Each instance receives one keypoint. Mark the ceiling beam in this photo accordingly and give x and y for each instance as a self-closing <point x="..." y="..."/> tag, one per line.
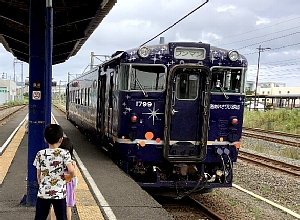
<point x="14" y="14"/>
<point x="75" y="15"/>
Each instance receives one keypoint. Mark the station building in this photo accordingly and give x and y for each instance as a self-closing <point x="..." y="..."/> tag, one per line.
<point x="8" y="90"/>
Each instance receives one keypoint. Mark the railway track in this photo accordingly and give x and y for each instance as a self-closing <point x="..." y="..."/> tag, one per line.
<point x="297" y="136"/>
<point x="2" y="107"/>
<point x="187" y="208"/>
<point x="8" y="111"/>
<point x="270" y="163"/>
<point x="273" y="136"/>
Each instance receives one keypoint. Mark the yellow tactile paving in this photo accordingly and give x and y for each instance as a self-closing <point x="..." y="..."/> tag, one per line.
<point x="86" y="205"/>
<point x="9" y="153"/>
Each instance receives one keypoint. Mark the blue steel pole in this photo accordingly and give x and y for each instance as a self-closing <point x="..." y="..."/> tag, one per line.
<point x="48" y="60"/>
<point x="39" y="103"/>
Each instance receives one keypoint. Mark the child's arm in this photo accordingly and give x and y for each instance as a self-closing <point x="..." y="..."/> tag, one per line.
<point x="38" y="175"/>
<point x="75" y="166"/>
<point x="71" y="170"/>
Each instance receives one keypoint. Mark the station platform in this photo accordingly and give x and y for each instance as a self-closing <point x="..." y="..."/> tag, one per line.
<point x="104" y="191"/>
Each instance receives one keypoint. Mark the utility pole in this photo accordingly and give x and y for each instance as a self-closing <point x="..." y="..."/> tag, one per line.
<point x="15" y="78"/>
<point x="260" y="49"/>
<point x="59" y="92"/>
<point x="92" y="60"/>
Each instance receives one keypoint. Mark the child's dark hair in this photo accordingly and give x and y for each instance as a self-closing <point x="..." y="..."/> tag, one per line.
<point x="68" y="145"/>
<point x="52" y="133"/>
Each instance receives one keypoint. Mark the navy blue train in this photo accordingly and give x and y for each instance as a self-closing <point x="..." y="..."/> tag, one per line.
<point x="170" y="114"/>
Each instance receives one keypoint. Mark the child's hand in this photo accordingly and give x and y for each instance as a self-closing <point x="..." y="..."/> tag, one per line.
<point x="67" y="177"/>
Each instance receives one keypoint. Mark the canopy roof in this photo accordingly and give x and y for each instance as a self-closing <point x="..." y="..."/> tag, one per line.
<point x="74" y="22"/>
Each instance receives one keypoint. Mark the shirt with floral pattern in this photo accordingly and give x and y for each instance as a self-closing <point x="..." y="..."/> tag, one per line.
<point x="52" y="163"/>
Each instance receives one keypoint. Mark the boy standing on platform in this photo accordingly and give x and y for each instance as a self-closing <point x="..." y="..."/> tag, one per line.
<point x="50" y="164"/>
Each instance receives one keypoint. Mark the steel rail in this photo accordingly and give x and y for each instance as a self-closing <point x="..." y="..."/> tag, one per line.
<point x="270" y="163"/>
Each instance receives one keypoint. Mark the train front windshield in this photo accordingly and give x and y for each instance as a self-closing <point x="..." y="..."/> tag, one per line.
<point x="142" y="78"/>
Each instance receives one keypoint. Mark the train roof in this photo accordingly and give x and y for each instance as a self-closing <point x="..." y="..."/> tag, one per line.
<point x="158" y="46"/>
<point x="158" y="50"/>
<point x="216" y="56"/>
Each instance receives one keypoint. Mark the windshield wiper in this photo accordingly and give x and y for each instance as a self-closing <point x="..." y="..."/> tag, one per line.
<point x="219" y="85"/>
<point x="141" y="87"/>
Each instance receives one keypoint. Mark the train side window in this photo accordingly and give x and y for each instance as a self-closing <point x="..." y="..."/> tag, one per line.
<point x="124" y="77"/>
<point x="78" y="97"/>
<point x="85" y="97"/>
<point x="82" y="97"/>
<point x="88" y="96"/>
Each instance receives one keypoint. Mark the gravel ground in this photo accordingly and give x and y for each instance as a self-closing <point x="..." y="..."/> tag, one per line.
<point x="274" y="186"/>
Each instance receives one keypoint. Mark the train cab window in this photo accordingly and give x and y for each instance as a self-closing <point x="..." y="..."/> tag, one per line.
<point x="229" y="80"/>
<point x="186" y="86"/>
<point x="148" y="78"/>
<point x="143" y="78"/>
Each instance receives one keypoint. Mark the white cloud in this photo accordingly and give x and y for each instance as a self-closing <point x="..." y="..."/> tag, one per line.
<point x="131" y="23"/>
<point x="225" y="8"/>
<point x="262" y="21"/>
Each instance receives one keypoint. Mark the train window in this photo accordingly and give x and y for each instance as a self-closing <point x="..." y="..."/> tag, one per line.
<point x="124" y="77"/>
<point x="77" y="96"/>
<point x="82" y="97"/>
<point x="147" y="78"/>
<point x="187" y="86"/>
<point x="88" y="96"/>
<point x="142" y="77"/>
<point x="230" y="80"/>
<point x="85" y="96"/>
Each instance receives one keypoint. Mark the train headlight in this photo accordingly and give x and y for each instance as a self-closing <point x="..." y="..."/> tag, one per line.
<point x="233" y="55"/>
<point x="143" y="52"/>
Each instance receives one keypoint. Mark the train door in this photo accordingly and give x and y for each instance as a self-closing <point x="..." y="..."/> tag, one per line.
<point x="67" y="99"/>
<point x="101" y="105"/>
<point x="110" y="103"/>
<point x="189" y="89"/>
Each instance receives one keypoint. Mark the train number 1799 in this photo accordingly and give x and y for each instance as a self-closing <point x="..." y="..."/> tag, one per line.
<point x="143" y="104"/>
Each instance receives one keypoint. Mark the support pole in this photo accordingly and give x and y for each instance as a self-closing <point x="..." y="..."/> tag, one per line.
<point x="40" y="79"/>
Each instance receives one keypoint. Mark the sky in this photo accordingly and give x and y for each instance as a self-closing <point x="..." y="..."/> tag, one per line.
<point x="229" y="24"/>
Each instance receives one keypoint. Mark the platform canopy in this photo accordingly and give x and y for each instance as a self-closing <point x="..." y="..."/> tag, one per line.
<point x="74" y="22"/>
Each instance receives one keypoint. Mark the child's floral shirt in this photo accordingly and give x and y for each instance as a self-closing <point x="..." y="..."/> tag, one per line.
<point x="52" y="163"/>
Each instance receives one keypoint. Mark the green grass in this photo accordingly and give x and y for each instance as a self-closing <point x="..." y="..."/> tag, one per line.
<point x="285" y="120"/>
<point x="16" y="102"/>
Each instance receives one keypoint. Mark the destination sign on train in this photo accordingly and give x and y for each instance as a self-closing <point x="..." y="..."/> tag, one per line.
<point x="189" y="53"/>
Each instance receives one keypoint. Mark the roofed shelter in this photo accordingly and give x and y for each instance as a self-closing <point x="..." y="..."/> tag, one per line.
<point x="73" y="23"/>
<point x="43" y="33"/>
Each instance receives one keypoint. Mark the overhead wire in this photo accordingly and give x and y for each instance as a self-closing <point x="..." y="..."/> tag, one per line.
<point x="257" y="29"/>
<point x="298" y="32"/>
<point x="176" y="22"/>
<point x="260" y="36"/>
<point x="277" y="48"/>
<point x="273" y="69"/>
<point x="276" y="38"/>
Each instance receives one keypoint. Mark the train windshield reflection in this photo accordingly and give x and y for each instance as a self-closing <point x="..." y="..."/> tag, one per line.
<point x="143" y="78"/>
